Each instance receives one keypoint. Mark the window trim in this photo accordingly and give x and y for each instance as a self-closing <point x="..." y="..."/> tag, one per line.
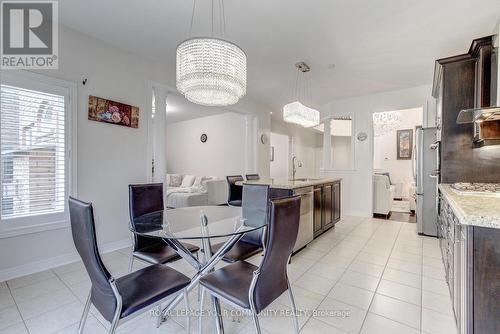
<point x="354" y="166"/>
<point x="12" y="227"/>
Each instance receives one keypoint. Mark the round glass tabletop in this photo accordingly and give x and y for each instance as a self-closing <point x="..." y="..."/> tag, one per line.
<point x="186" y="223"/>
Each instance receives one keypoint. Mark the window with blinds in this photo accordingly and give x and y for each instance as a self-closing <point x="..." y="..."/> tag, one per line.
<point x="33" y="166"/>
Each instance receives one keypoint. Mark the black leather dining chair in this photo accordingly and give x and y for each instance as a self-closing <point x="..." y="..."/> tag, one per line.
<point x="119" y="298"/>
<point x="252" y="177"/>
<point x="255" y="209"/>
<point x="234" y="190"/>
<point x="143" y="199"/>
<point x="253" y="288"/>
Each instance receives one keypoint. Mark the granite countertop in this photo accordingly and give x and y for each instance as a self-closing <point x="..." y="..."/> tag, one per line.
<point x="473" y="209"/>
<point x="288" y="184"/>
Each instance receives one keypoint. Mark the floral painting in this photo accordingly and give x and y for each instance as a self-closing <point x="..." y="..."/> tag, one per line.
<point x="103" y="110"/>
<point x="405" y="144"/>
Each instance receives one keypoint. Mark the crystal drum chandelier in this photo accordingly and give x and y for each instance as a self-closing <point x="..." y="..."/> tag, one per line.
<point x="211" y="71"/>
<point x="296" y="112"/>
<point x="384" y="122"/>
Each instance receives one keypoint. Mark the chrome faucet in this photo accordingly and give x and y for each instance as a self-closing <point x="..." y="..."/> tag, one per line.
<point x="294" y="168"/>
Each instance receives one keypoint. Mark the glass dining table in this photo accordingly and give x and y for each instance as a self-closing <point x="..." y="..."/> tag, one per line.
<point x="202" y="224"/>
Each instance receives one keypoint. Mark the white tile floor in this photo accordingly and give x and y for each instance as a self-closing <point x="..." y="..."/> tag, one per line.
<point x="379" y="275"/>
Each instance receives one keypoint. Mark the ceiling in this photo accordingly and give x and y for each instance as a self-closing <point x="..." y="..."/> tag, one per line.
<point x="179" y="109"/>
<point x="374" y="45"/>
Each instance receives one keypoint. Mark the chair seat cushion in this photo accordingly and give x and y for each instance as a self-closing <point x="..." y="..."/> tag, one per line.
<point x="162" y="253"/>
<point x="241" y="251"/>
<point x="231" y="282"/>
<point x="147" y="286"/>
<point x="236" y="202"/>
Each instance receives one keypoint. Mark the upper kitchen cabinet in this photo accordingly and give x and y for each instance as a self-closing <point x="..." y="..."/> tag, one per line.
<point x="465" y="82"/>
<point x="485" y="81"/>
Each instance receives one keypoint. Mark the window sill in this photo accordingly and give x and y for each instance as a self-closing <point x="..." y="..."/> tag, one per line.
<point x="24" y="230"/>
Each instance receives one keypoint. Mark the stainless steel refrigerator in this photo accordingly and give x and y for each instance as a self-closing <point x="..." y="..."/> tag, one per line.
<point x="426" y="173"/>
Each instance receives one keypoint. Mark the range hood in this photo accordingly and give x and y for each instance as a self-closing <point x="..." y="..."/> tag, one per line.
<point x="478" y="115"/>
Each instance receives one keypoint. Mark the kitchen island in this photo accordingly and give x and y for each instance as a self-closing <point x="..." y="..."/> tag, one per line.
<point x="320" y="203"/>
<point x="469" y="236"/>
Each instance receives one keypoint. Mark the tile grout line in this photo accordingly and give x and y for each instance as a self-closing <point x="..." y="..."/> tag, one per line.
<point x="403" y="324"/>
<point x="79" y="301"/>
<point x="17" y="307"/>
<point x="326" y="295"/>
<point x="378" y="284"/>
<point x="354" y="258"/>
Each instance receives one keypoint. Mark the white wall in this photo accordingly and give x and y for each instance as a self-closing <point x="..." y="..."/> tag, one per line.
<point x="385" y="150"/>
<point x="357" y="184"/>
<point x="223" y="153"/>
<point x="109" y="157"/>
<point x="305" y="144"/>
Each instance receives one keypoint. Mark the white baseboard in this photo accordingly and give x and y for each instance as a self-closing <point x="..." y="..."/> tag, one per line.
<point x="56" y="261"/>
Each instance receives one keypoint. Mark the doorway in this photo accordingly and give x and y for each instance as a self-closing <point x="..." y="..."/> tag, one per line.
<point x="393" y="159"/>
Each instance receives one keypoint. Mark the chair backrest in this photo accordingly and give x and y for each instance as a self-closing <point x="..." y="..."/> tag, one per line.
<point x="235" y="191"/>
<point x="255" y="210"/>
<point x="84" y="237"/>
<point x="281" y="236"/>
<point x="143" y="199"/>
<point x="253" y="177"/>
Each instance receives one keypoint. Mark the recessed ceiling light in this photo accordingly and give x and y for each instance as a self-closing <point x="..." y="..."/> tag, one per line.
<point x="271" y="112"/>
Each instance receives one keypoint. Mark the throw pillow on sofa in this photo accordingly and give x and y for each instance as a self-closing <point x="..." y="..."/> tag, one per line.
<point x="187" y="181"/>
<point x="197" y="181"/>
<point x="174" y="180"/>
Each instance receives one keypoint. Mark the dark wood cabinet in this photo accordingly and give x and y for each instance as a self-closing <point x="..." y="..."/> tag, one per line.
<point x="336" y="202"/>
<point x="471" y="257"/>
<point x="317" y="221"/>
<point x="464" y="82"/>
<point x="486" y="278"/>
<point x="326" y="207"/>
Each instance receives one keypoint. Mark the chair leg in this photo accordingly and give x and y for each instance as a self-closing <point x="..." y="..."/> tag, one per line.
<point x="188" y="311"/>
<point x="84" y="315"/>
<point x="131" y="263"/>
<point x="202" y="301"/>
<point x="159" y="317"/>
<point x="114" y="324"/>
<point x="294" y="309"/>
<point x="256" y="322"/>
<point x="219" y="325"/>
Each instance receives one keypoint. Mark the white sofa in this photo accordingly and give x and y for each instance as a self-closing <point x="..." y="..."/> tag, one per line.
<point x="190" y="190"/>
<point x="396" y="186"/>
<point x="383" y="194"/>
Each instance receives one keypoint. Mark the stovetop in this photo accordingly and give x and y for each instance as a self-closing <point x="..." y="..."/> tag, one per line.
<point x="477" y="188"/>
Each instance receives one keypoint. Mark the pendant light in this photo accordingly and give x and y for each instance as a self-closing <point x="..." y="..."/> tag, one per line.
<point x="297" y="112"/>
<point x="211" y="71"/>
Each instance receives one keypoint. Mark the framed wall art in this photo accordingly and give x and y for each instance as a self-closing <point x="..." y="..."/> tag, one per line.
<point x="108" y="111"/>
<point x="404" y="144"/>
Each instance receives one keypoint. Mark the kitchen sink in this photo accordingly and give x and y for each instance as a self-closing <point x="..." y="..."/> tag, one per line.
<point x="304" y="179"/>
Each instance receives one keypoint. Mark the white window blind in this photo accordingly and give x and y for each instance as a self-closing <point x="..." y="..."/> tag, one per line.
<point x="33" y="147"/>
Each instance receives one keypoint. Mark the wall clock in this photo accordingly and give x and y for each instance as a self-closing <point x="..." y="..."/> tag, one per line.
<point x="362" y="136"/>
<point x="203" y="138"/>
